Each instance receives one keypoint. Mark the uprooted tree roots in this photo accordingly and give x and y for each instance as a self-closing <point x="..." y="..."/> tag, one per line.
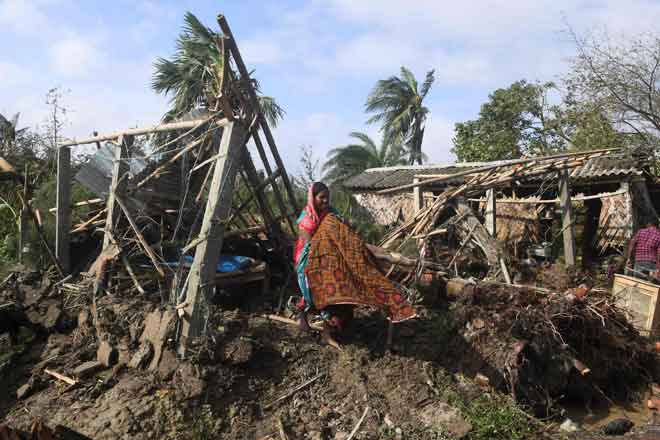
<point x="543" y="347"/>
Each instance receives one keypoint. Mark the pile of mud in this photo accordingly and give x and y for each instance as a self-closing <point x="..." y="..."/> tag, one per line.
<point x="542" y="347"/>
<point x="454" y="372"/>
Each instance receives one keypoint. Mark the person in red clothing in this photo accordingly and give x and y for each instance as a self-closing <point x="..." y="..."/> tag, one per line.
<point x="644" y="249"/>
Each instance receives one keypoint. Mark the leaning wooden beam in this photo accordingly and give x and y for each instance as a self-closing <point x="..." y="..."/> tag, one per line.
<point x="253" y="98"/>
<point x="171" y="126"/>
<point x="218" y="208"/>
<point x="567" y="218"/>
<point x="63" y="208"/>
<point x="264" y="158"/>
<point x="147" y="249"/>
<point x="496" y="166"/>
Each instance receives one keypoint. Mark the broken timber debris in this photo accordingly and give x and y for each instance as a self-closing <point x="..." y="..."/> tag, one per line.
<point x="178" y="199"/>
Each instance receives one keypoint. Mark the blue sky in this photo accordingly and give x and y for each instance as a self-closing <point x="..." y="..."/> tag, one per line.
<point x="318" y="58"/>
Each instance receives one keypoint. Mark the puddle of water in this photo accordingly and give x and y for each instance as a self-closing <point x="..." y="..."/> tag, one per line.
<point x="637" y="412"/>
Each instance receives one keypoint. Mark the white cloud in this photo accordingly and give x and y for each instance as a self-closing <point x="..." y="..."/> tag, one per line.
<point x="322" y="130"/>
<point x="261" y="51"/>
<point x="437" y="139"/>
<point x="73" y="56"/>
<point x="23" y="16"/>
<point x="12" y="74"/>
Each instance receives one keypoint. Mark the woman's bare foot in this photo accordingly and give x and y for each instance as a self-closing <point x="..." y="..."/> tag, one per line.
<point x="328" y="339"/>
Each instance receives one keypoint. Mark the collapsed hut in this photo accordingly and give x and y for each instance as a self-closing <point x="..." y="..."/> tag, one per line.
<point x="526" y="203"/>
<point x="165" y="215"/>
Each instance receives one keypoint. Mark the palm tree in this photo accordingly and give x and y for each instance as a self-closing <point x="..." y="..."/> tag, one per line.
<point x="397" y="103"/>
<point x="9" y="133"/>
<point x="352" y="159"/>
<point x="193" y="75"/>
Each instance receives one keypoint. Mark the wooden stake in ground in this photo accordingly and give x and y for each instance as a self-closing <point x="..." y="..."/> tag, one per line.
<point x="218" y="209"/>
<point x="63" y="209"/>
<point x="22" y="225"/>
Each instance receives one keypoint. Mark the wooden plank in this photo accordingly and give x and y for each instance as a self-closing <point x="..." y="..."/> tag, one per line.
<point x="63" y="210"/>
<point x="567" y="217"/>
<point x="491" y="213"/>
<point x="245" y="76"/>
<point x="218" y="208"/>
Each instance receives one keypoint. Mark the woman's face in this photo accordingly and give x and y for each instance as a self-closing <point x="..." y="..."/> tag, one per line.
<point x="322" y="201"/>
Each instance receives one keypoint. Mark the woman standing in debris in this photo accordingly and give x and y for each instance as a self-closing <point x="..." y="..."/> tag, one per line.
<point x="336" y="271"/>
<point x="317" y="207"/>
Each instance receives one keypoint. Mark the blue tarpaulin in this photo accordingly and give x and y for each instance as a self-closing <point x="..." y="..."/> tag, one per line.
<point x="227" y="263"/>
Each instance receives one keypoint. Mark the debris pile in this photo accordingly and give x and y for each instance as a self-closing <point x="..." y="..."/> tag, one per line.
<point x="542" y="346"/>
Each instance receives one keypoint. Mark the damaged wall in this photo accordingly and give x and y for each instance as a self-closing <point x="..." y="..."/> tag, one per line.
<point x="387" y="209"/>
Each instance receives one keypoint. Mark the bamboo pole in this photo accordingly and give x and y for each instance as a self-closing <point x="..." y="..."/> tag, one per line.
<point x="170" y="126"/>
<point x="147" y="249"/>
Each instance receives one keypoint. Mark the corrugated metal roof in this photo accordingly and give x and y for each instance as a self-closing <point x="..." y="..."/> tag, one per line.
<point x="382" y="178"/>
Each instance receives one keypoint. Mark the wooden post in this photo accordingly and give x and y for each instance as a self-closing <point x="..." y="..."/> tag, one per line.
<point x="491" y="213"/>
<point x="218" y="209"/>
<point x="631" y="218"/>
<point x="567" y="218"/>
<point x="63" y="207"/>
<point x="23" y="217"/>
<point x="117" y="186"/>
<point x="418" y="196"/>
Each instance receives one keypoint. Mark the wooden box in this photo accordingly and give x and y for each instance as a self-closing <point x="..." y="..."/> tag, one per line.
<point x="639" y="300"/>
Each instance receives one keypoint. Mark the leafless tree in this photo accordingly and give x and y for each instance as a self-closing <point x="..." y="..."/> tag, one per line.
<point x="620" y="76"/>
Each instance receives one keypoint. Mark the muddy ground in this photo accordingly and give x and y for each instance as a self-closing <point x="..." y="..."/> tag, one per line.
<point x="254" y="378"/>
